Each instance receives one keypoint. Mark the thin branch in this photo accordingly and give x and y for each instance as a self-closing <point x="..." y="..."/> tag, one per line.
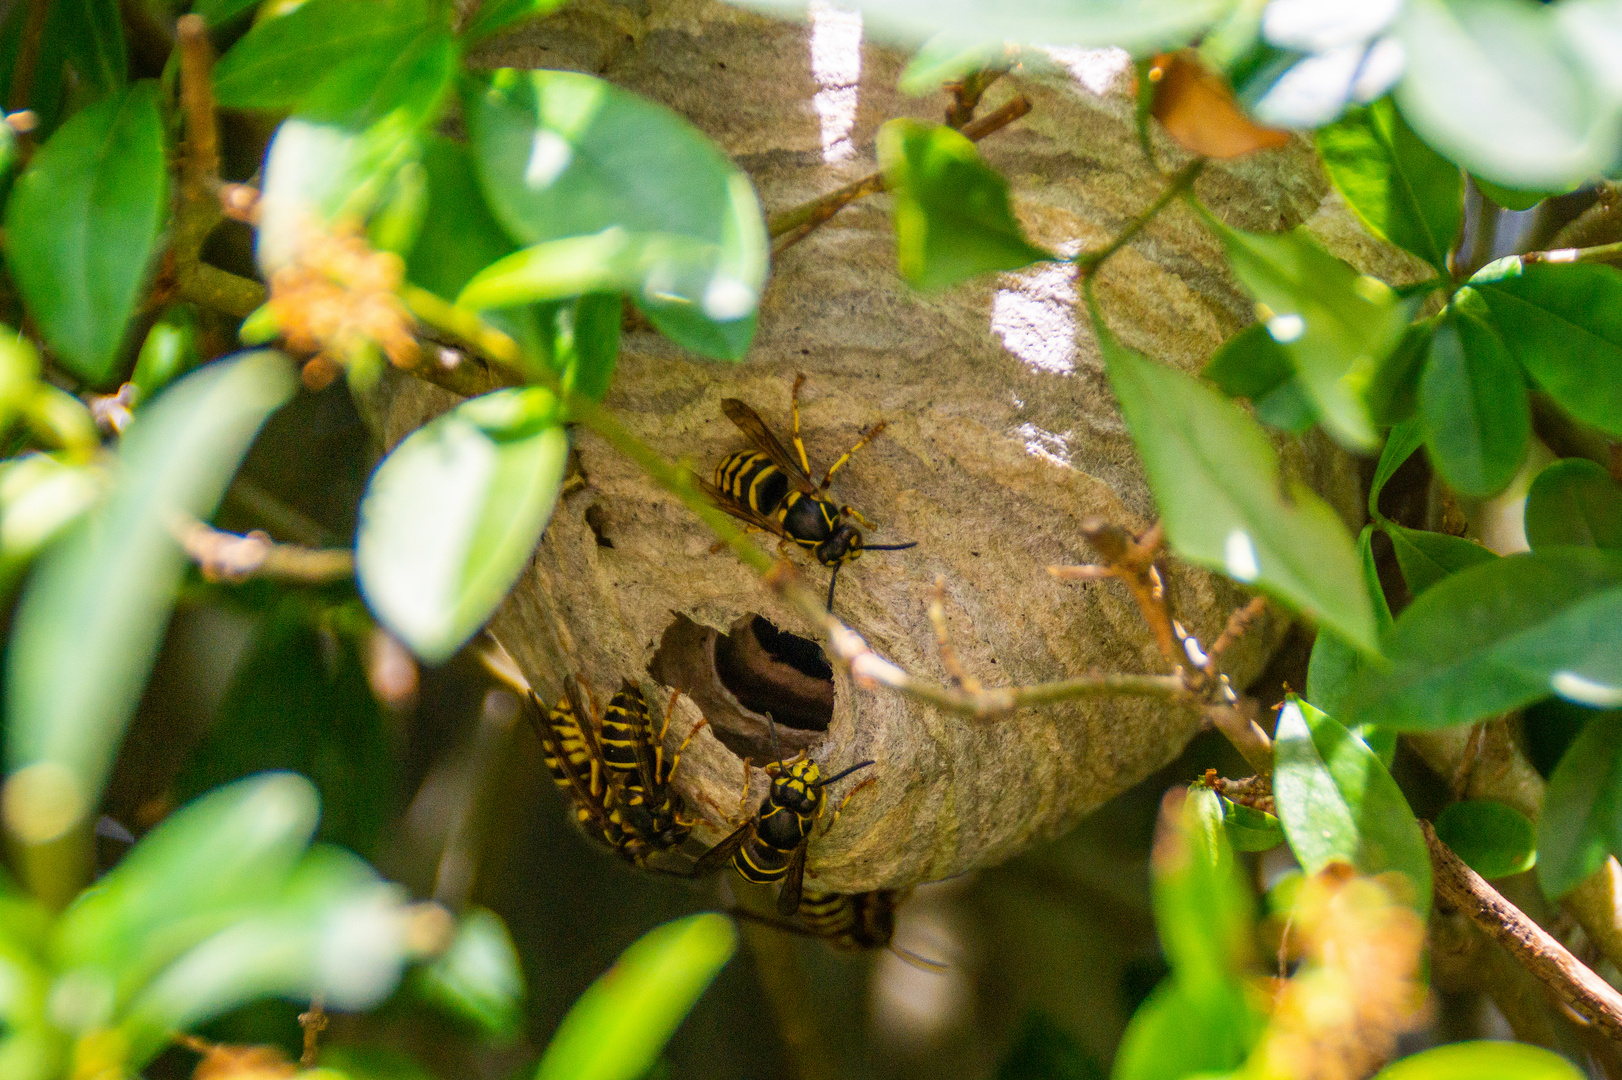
<point x="1246" y="735"/>
<point x="280" y="518"/>
<point x="314" y="1022"/>
<point x="1238" y="623"/>
<point x="1089" y="261"/>
<point x="226" y="556"/>
<point x="1132" y="560"/>
<point x="959" y="678"/>
<point x="1591" y="997"/>
<point x="200" y="165"/>
<point x="966" y="94"/>
<point x="1598" y="253"/>
<point x="791" y="226"/>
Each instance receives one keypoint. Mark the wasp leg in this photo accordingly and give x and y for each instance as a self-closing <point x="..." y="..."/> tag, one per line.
<point x="841" y="807"/>
<point x="872" y="433"/>
<point x="743" y="803"/>
<point x="676" y="758"/>
<point x="794" y="401"/>
<point x="851" y="512"/>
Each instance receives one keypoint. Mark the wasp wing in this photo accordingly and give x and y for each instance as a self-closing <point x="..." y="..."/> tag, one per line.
<point x="721" y="854"/>
<point x="750" y="423"/>
<point x="741" y="511"/>
<point x="581" y="786"/>
<point x="788" y="898"/>
<point x="647" y="768"/>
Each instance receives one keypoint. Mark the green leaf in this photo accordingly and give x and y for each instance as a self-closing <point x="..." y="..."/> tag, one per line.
<point x="1494" y="87"/>
<point x="1400" y="443"/>
<point x="478" y="978"/>
<point x="1250" y="829"/>
<point x="1563" y="322"/>
<point x="951" y="211"/>
<point x="39" y="498"/>
<point x="82" y="225"/>
<point x="1472" y="405"/>
<point x="1392" y="392"/>
<point x="453" y="514"/>
<point x="619" y="1025"/>
<point x="1202" y="907"/>
<point x="1428" y="557"/>
<point x="618" y="192"/>
<point x="404" y="81"/>
<point x="1581" y="821"/>
<point x="94" y="34"/>
<point x="1510" y="198"/>
<point x="169" y="351"/>
<point x="1335" y="324"/>
<point x="494" y="16"/>
<point x="1400" y="188"/>
<point x="1501" y="635"/>
<point x="1494" y="840"/>
<point x="219" y="12"/>
<point x="1216" y="480"/>
<point x="92" y="616"/>
<point x="1339" y="804"/>
<point x="1178" y="1033"/>
<point x="283" y="58"/>
<point x="1334" y="667"/>
<point x="1250" y="364"/>
<point x="300" y="701"/>
<point x="366" y="1063"/>
<point x="1476" y="1060"/>
<point x="944" y="59"/>
<point x="1574" y="502"/>
<point x="233" y="848"/>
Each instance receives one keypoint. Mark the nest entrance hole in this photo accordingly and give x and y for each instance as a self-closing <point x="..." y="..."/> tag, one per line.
<point x="743" y="676"/>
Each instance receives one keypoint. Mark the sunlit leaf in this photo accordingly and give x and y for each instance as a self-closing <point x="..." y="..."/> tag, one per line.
<point x="1399" y="187"/>
<point x="1400" y="444"/>
<point x="82" y="225"/>
<point x="169" y="351"/>
<point x="1428" y="557"/>
<point x="453" y="514"/>
<point x="1475" y="1060"/>
<point x="494" y="16"/>
<point x="478" y="978"/>
<point x="403" y="81"/>
<point x="1250" y="364"/>
<point x="1250" y="829"/>
<point x="1501" y="635"/>
<point x="1335" y="667"/>
<point x="1178" y="1033"/>
<point x="1215" y="478"/>
<point x="1574" y="502"/>
<point x="91" y="618"/>
<point x="944" y="59"/>
<point x="1338" y="803"/>
<point x="1493" y="839"/>
<point x="1580" y="824"/>
<point x="1472" y="405"/>
<point x="39" y="498"/>
<point x="619" y="1025"/>
<point x="1203" y="910"/>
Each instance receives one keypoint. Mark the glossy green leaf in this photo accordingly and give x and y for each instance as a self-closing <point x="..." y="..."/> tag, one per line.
<point x="405" y="82"/>
<point x="300" y="701"/>
<point x="169" y="351"/>
<point x="92" y="616"/>
<point x="1400" y="444"/>
<point x="1335" y="324"/>
<point x="1501" y="635"/>
<point x="1203" y="910"/>
<point x="453" y="514"/>
<point x="616" y="192"/>
<point x="1250" y="829"/>
<point x="1493" y="839"/>
<point x="1216" y="480"/>
<point x="1392" y="392"/>
<point x="234" y="848"/>
<point x="1480" y="1060"/>
<point x="1428" y="557"/>
<point x="82" y="225"/>
<point x="494" y="16"/>
<point x="1574" y="502"/>
<point x="1581" y="821"/>
<point x="951" y="212"/>
<point x="283" y="58"/>
<point x="94" y="33"/>
<point x="1472" y="405"/>
<point x="1399" y="187"/>
<point x="1250" y="364"/>
<point x="619" y="1025"/>
<point x="1563" y="322"/>
<point x="1338" y="803"/>
<point x="40" y="497"/>
<point x="1335" y="667"/>
<point x="478" y="978"/>
<point x="1178" y="1033"/>
<point x="1493" y="85"/>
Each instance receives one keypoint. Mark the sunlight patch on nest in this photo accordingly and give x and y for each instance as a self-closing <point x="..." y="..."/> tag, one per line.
<point x="836" y="65"/>
<point x="1045" y="444"/>
<point x="1099" y="71"/>
<point x="1035" y="317"/>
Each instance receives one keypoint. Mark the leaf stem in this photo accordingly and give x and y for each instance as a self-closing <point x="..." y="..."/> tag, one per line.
<point x="1087" y="262"/>
<point x="1598" y="253"/>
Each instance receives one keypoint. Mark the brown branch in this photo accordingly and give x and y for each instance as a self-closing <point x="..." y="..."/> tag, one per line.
<point x="33" y="36"/>
<point x="1238" y="623"/>
<point x="791" y="226"/>
<point x="1591" y="997"/>
<point x="314" y="1022"/>
<point x="200" y="164"/>
<point x="967" y="93"/>
<point x="959" y="678"/>
<point x="226" y="556"/>
<point x="1132" y="560"/>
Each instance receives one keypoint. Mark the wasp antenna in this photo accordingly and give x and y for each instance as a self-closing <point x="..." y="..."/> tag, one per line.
<point x="842" y="775"/>
<point x="889" y="547"/>
<point x="832" y="581"/>
<point x="771" y="726"/>
<point x="912" y="959"/>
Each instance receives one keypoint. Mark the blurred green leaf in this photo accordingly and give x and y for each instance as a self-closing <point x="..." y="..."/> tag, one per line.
<point x="30" y="1047"/>
<point x="1428" y="557"/>
<point x="1581" y="820"/>
<point x="1392" y="392"/>
<point x="1501" y="635"/>
<point x="1338" y="803"/>
<point x="1334" y="324"/>
<point x="95" y="43"/>
<point x="1494" y="87"/>
<point x="619" y="1025"/>
<point x="1477" y="1060"/>
<point x="566" y="159"/>
<point x="1250" y="829"/>
<point x="951" y="211"/>
<point x="284" y="57"/>
<point x="219" y="12"/>
<point x="50" y="79"/>
<point x="1178" y="1033"/>
<point x="1563" y="322"/>
<point x="1250" y="364"/>
<point x="368" y="1063"/>
<point x="1203" y="910"/>
<point x="1400" y="444"/>
<point x="1216" y="480"/>
<point x="943" y="59"/>
<point x="1493" y="839"/>
<point x="404" y="81"/>
<point x="1042" y="1050"/>
<point x="1472" y="405"/>
<point x="300" y="701"/>
<point x="494" y="16"/>
<point x="1574" y="502"/>
<point x="39" y="498"/>
<point x="1510" y="198"/>
<point x="453" y="514"/>
<point x="91" y="618"/>
<point x="82" y="225"/>
<point x="320" y="174"/>
<point x="169" y="351"/>
<point x="479" y="978"/>
<point x="1400" y="188"/>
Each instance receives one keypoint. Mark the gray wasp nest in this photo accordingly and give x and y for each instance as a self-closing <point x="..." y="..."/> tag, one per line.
<point x="1002" y="439"/>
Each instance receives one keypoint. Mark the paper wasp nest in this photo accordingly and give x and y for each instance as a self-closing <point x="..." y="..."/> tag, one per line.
<point x="1003" y="437"/>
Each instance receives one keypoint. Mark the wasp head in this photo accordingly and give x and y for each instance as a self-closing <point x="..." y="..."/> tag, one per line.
<point x="799" y="788"/>
<point x="844" y="545"/>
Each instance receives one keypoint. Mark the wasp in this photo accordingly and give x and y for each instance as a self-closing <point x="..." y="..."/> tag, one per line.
<point x="771" y="846"/>
<point x="855" y="922"/>
<point x="768" y="489"/>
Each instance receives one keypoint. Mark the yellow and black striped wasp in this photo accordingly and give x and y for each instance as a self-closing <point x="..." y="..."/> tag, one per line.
<point x="855" y="922"/>
<point x="768" y="489"/>
<point x="771" y="846"/>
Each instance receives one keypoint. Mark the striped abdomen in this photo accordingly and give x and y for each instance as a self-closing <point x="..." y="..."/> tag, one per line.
<point x="851" y="921"/>
<point x="570" y="753"/>
<point x="749" y="477"/>
<point x="629" y="741"/>
<point x="779" y="832"/>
